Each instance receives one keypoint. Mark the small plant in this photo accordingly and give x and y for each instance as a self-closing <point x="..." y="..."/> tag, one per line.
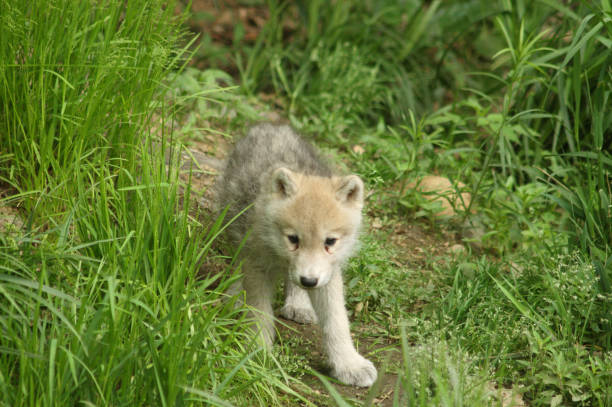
<point x="430" y="375"/>
<point x="317" y="105"/>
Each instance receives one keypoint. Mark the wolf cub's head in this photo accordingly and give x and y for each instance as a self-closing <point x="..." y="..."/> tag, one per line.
<point x="311" y="221"/>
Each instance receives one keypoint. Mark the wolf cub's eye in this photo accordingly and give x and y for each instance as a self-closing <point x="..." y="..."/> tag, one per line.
<point x="293" y="239"/>
<point x="330" y="241"/>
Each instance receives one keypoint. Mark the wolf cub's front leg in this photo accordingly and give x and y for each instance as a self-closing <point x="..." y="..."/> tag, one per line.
<point x="259" y="291"/>
<point x="297" y="304"/>
<point x="346" y="363"/>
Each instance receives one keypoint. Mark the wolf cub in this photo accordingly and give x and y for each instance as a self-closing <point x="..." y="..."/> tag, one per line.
<point x="304" y="226"/>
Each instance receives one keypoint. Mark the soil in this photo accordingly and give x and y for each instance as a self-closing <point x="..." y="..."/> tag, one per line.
<point x="309" y="346"/>
<point x="9" y="219"/>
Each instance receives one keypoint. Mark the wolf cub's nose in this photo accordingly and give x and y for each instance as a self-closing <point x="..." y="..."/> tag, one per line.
<point x="308" y="282"/>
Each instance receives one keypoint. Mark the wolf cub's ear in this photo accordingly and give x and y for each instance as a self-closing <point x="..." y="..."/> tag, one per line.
<point x="282" y="181"/>
<point x="350" y="190"/>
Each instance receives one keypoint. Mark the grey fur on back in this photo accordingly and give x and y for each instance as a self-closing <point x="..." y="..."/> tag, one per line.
<point x="265" y="147"/>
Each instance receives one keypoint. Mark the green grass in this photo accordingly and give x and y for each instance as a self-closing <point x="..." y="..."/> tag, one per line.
<point x="90" y="321"/>
<point x="526" y="322"/>
<point x="102" y="296"/>
<point x="105" y="295"/>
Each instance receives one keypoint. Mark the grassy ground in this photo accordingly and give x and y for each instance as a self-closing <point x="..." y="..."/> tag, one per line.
<point x="106" y="244"/>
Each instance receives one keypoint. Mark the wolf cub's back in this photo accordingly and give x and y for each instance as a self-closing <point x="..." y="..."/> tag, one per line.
<point x="265" y="148"/>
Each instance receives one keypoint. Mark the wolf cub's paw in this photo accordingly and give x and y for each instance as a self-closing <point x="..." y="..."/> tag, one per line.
<point x="299" y="315"/>
<point x="357" y="372"/>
